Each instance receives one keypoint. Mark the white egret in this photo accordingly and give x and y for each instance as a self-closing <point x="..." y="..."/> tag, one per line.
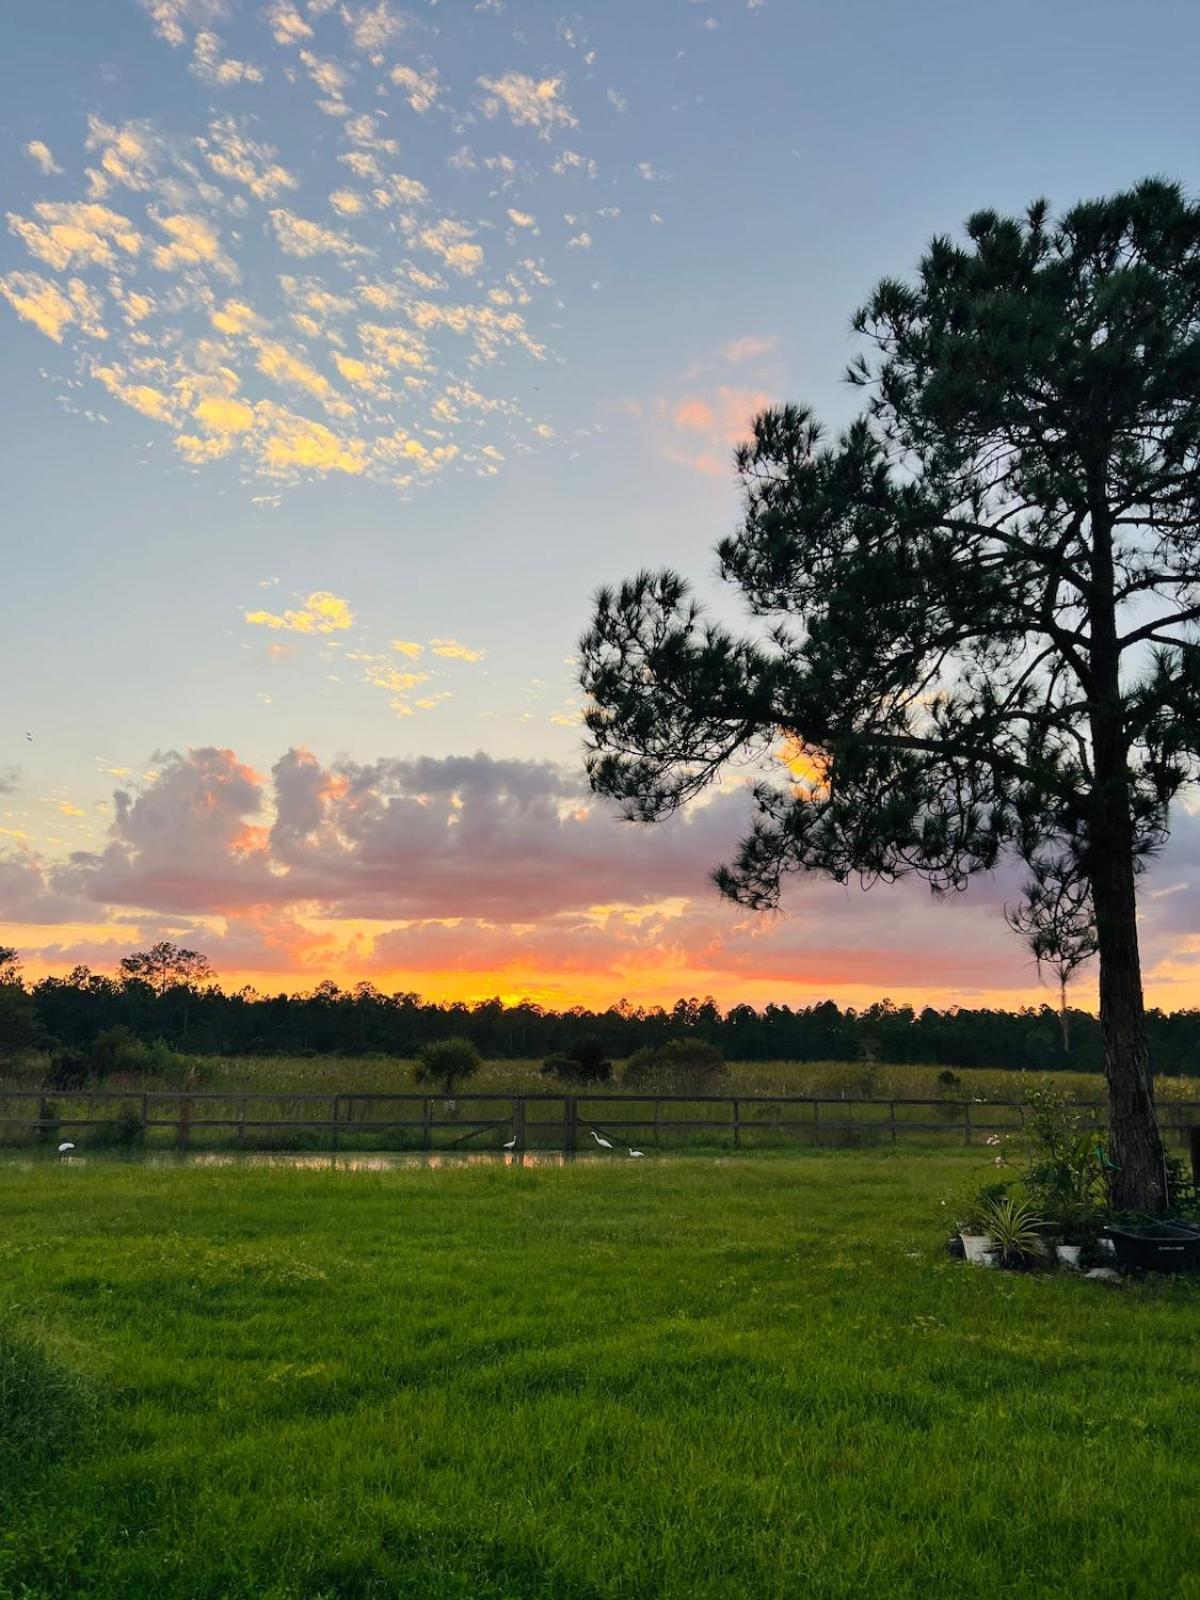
<point x="65" y="1146"/>
<point x="606" y="1143"/>
<point x="512" y="1143"/>
<point x="637" y="1152"/>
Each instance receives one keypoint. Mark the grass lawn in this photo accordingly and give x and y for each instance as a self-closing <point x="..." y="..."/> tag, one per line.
<point x="692" y="1377"/>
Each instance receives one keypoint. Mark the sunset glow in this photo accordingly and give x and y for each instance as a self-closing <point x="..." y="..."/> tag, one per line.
<point x="349" y="348"/>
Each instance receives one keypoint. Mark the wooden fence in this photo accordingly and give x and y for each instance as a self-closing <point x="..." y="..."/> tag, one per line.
<point x="547" y="1121"/>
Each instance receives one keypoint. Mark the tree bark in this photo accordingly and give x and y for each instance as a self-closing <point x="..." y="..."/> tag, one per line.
<point x="1135" y="1143"/>
<point x="1136" y="1148"/>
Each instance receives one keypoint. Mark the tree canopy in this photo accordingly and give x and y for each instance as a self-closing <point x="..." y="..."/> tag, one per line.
<point x="982" y="596"/>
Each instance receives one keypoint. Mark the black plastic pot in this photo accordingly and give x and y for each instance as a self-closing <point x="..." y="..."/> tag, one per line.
<point x="1157" y="1247"/>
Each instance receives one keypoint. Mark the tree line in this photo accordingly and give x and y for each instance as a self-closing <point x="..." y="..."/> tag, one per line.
<point x="172" y="995"/>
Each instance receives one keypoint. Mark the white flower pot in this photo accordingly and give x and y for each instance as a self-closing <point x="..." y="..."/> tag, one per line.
<point x="977" y="1247"/>
<point x="1068" y="1255"/>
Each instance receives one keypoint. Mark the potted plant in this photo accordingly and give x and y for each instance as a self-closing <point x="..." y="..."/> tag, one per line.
<point x="978" y="1245"/>
<point x="1015" y="1230"/>
<point x="1074" y="1227"/>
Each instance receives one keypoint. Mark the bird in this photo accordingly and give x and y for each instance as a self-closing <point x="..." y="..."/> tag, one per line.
<point x="637" y="1152"/>
<point x="512" y="1143"/>
<point x="65" y="1146"/>
<point x="607" y="1143"/>
<point x="29" y="736"/>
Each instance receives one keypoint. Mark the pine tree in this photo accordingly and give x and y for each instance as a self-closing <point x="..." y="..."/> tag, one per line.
<point x="983" y="599"/>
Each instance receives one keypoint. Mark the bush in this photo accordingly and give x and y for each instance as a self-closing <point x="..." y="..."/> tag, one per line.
<point x="584" y="1062"/>
<point x="120" y="1050"/>
<point x="682" y="1066"/>
<point x="447" y="1063"/>
<point x="69" y="1069"/>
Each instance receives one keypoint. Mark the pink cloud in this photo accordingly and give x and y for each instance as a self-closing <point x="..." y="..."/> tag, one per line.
<point x="483" y="866"/>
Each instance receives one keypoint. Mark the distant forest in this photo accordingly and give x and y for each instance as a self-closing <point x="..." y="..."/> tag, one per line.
<point x="203" y="1019"/>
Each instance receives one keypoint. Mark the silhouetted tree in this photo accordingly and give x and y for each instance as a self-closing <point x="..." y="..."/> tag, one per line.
<point x="1057" y="922"/>
<point x="165" y="966"/>
<point x="985" y="595"/>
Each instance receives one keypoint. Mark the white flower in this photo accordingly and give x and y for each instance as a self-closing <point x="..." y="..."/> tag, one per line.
<point x="992" y="1138"/>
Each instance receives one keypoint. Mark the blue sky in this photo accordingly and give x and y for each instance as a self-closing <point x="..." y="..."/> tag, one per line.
<point x="449" y="312"/>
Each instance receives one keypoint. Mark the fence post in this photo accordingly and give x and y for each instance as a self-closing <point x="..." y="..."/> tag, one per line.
<point x="816" y="1122"/>
<point x="241" y="1127"/>
<point x="737" y="1123"/>
<point x="657" y="1123"/>
<point x="892" y="1107"/>
<point x="570" y="1123"/>
<point x="145" y="1116"/>
<point x="43" y="1121"/>
<point x="184" y="1126"/>
<point x="427" y="1118"/>
<point x="1194" y="1146"/>
<point x="518" y="1121"/>
<point x="967" y="1120"/>
<point x="337" y="1106"/>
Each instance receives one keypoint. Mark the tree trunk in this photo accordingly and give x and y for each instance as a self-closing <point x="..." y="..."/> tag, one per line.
<point x="1139" y="1182"/>
<point x="1135" y="1144"/>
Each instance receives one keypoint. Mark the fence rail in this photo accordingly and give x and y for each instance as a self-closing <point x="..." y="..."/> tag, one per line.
<point x="431" y="1121"/>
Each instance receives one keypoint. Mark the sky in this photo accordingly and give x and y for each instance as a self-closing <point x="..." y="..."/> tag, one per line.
<point x="349" y="347"/>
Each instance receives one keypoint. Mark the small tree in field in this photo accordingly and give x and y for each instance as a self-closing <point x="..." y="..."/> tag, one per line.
<point x="447" y="1063"/>
<point x="985" y="596"/>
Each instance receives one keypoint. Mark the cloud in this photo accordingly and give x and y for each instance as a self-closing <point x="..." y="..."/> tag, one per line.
<point x="172" y="18"/>
<point x="450" y="240"/>
<point x="452" y="650"/>
<point x="43" y="302"/>
<point x="130" y="154"/>
<point x="194" y="242"/>
<point x="239" y="159"/>
<point x="372" y="27"/>
<point x="210" y="66"/>
<point x="76" y="233"/>
<point x="300" y="237"/>
<point x="42" y="157"/>
<point x="142" y="397"/>
<point x="471" y="864"/>
<point x="748" y="348"/>
<point x="284" y="367"/>
<point x="322" y="612"/>
<point x="291" y="443"/>
<point x="421" y="88"/>
<point x="529" y="102"/>
<point x="288" y="26"/>
<point x="714" y="422"/>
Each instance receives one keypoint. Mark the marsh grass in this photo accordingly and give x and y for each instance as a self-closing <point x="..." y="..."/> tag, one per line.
<point x="681" y="1379"/>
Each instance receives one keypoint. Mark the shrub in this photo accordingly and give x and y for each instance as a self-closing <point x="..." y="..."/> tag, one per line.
<point x="447" y="1063"/>
<point x="682" y="1066"/>
<point x="584" y="1062"/>
<point x="120" y="1050"/>
<point x="1064" y="1172"/>
<point x="69" y="1069"/>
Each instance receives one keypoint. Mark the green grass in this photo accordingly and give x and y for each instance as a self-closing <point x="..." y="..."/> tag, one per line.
<point x="685" y="1379"/>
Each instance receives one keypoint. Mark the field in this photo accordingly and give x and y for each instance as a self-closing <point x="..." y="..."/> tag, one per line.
<point x="381" y="1074"/>
<point x="692" y="1377"/>
<point x="314" y="1103"/>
